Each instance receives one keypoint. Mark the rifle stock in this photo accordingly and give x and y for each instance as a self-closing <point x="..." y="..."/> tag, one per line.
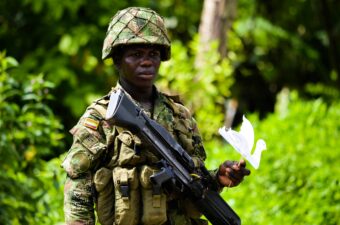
<point x="177" y="165"/>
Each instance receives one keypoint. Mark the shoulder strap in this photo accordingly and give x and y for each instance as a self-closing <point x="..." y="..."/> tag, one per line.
<point x="177" y="106"/>
<point x="175" y="98"/>
<point x="100" y="105"/>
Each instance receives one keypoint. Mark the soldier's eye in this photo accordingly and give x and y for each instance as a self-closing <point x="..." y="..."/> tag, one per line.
<point x="137" y="54"/>
<point x="155" y="54"/>
<point x="134" y="53"/>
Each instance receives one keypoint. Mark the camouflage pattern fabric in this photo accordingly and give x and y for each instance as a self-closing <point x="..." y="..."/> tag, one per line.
<point x="136" y="25"/>
<point x="78" y="201"/>
<point x="97" y="144"/>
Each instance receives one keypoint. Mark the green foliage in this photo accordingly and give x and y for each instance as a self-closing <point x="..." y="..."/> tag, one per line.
<point x="275" y="44"/>
<point x="298" y="179"/>
<point x="213" y="80"/>
<point x="272" y="44"/>
<point x="29" y="132"/>
<point x="50" y="204"/>
<point x="64" y="40"/>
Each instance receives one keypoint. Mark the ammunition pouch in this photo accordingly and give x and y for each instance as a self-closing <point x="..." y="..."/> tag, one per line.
<point x="105" y="202"/>
<point x="127" y="197"/>
<point x="154" y="201"/>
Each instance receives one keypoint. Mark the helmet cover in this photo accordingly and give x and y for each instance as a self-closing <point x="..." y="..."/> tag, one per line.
<point x="136" y="25"/>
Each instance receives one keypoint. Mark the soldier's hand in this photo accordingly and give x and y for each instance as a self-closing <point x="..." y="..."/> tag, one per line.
<point x="231" y="173"/>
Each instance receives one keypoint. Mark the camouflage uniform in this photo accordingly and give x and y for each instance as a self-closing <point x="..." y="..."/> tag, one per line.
<point x="99" y="144"/>
<point x="105" y="159"/>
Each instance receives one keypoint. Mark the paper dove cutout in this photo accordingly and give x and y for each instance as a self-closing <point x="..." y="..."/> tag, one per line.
<point x="243" y="142"/>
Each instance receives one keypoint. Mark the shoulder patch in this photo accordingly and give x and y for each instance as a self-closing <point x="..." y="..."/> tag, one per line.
<point x="91" y="123"/>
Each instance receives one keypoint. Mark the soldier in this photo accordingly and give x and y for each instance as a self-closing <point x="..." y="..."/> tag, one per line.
<point x="108" y="167"/>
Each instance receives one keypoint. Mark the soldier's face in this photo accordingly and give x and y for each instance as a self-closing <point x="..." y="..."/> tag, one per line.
<point x="138" y="66"/>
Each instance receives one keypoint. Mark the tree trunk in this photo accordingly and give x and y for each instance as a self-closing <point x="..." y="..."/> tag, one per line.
<point x="216" y="19"/>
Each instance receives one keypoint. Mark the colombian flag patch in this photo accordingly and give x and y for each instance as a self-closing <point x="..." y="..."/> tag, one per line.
<point x="91" y="123"/>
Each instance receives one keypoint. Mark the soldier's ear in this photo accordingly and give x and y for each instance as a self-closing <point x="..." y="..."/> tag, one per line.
<point x="117" y="57"/>
<point x="117" y="60"/>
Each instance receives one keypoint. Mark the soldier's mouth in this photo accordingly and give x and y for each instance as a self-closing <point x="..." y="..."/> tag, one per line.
<point x="146" y="75"/>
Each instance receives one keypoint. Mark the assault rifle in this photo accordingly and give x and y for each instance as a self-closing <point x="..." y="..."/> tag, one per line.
<point x="177" y="167"/>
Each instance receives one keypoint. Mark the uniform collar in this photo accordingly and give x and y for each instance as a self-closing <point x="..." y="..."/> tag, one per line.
<point x="159" y="101"/>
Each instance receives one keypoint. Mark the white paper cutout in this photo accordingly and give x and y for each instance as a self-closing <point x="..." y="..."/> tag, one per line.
<point x="243" y="142"/>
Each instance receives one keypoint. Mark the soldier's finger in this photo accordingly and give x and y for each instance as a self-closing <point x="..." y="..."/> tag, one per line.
<point x="229" y="163"/>
<point x="245" y="172"/>
<point x="242" y="163"/>
<point x="234" y="175"/>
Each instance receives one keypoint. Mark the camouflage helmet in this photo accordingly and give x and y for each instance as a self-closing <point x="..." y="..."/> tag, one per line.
<point x="136" y="25"/>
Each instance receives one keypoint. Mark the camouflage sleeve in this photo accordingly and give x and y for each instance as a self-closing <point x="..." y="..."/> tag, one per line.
<point x="78" y="201"/>
<point x="83" y="157"/>
<point x="200" y="152"/>
<point x="186" y="124"/>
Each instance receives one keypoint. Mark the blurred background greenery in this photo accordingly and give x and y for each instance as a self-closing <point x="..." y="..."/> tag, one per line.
<point x="282" y="67"/>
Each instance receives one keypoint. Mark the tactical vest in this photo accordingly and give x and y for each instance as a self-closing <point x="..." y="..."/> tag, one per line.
<point x="125" y="194"/>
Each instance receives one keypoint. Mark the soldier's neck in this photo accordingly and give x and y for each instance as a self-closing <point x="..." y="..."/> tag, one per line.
<point x="144" y="96"/>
